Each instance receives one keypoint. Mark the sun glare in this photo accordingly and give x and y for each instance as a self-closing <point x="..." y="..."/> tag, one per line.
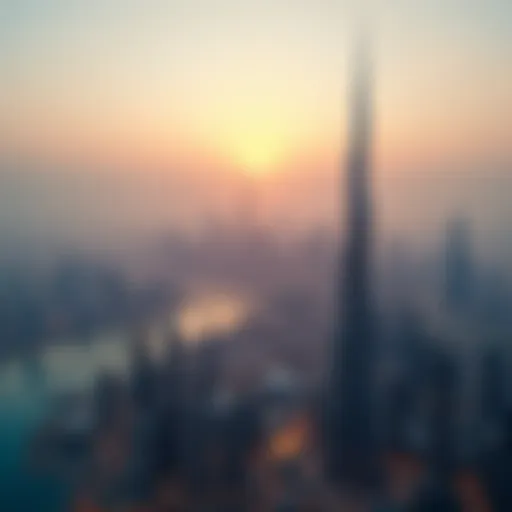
<point x="258" y="158"/>
<point x="254" y="139"/>
<point x="257" y="153"/>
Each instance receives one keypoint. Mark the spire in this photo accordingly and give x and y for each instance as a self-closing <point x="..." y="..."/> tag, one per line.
<point x="350" y="411"/>
<point x="358" y="165"/>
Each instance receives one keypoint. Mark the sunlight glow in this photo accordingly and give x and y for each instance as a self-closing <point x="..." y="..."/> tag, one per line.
<point x="258" y="154"/>
<point x="210" y="315"/>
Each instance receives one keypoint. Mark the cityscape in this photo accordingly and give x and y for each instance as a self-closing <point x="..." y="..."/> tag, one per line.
<point x="239" y="366"/>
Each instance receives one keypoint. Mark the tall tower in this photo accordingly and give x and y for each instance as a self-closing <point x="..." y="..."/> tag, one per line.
<point x="351" y="446"/>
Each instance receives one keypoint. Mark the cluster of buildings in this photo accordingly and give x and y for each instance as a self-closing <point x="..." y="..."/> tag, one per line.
<point x="434" y="433"/>
<point x="440" y="417"/>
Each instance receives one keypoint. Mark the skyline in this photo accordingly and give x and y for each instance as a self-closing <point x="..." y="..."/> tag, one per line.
<point x="255" y="255"/>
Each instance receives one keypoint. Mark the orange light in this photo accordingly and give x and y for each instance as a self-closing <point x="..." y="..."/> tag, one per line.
<point x="289" y="441"/>
<point x="470" y="489"/>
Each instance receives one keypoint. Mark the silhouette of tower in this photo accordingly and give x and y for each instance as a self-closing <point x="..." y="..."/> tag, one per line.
<point x="458" y="266"/>
<point x="351" y="444"/>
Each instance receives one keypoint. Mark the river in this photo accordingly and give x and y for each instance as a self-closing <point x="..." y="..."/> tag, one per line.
<point x="27" y="388"/>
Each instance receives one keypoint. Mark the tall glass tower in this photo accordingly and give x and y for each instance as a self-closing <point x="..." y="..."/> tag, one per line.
<point x="351" y="444"/>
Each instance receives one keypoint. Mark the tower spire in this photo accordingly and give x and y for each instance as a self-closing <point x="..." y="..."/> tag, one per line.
<point x="350" y="411"/>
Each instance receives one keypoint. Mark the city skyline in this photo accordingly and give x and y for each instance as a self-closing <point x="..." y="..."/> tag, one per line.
<point x="256" y="255"/>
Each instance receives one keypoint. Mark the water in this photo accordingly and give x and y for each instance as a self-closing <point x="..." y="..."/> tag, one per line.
<point x="27" y="388"/>
<point x="22" y="407"/>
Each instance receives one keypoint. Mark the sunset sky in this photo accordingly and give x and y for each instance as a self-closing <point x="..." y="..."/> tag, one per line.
<point x="257" y="86"/>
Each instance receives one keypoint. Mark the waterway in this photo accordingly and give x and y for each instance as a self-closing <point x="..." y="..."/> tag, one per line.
<point x="28" y="387"/>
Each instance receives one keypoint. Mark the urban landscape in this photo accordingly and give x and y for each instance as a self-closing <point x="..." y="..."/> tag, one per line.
<point x="243" y="367"/>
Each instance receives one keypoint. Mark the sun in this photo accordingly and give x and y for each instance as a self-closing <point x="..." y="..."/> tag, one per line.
<point x="257" y="156"/>
<point x="256" y="145"/>
<point x="260" y="152"/>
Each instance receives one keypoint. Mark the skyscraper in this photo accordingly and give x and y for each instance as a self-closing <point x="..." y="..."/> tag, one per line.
<point x="351" y="446"/>
<point x="435" y="492"/>
<point x="458" y="266"/>
<point x="493" y="398"/>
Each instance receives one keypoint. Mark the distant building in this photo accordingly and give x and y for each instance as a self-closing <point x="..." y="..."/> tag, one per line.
<point x="171" y="430"/>
<point x="459" y="275"/>
<point x="143" y="376"/>
<point x="496" y="471"/>
<point x="109" y="398"/>
<point x="494" y="400"/>
<point x="437" y="492"/>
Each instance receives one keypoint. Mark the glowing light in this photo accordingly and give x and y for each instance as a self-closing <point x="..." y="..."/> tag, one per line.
<point x="255" y="136"/>
<point x="211" y="314"/>
<point x="257" y="154"/>
<point x="289" y="441"/>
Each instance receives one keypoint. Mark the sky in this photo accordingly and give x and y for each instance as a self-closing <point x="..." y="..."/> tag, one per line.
<point x="256" y="86"/>
<point x="127" y="116"/>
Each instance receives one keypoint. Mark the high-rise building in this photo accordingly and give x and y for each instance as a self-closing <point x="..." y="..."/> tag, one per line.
<point x="493" y="398"/>
<point x="458" y="266"/>
<point x="351" y="444"/>
<point x="436" y="491"/>
<point x="171" y="432"/>
<point x="143" y="378"/>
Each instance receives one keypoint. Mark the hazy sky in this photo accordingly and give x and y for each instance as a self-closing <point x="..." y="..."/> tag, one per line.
<point x="258" y="85"/>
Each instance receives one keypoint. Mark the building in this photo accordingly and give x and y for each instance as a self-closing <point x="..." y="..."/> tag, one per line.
<point x="351" y="446"/>
<point x="458" y="277"/>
